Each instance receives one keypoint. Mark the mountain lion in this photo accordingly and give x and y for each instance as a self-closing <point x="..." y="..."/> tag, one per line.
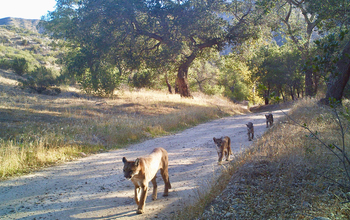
<point x="223" y="147"/>
<point x="250" y="128"/>
<point x="143" y="170"/>
<point x="269" y="119"/>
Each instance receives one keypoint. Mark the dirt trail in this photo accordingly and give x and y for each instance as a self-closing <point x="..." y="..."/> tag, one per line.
<point x="94" y="187"/>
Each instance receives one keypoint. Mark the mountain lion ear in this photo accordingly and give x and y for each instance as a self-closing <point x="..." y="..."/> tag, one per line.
<point x="124" y="160"/>
<point x="137" y="161"/>
<point x="214" y="138"/>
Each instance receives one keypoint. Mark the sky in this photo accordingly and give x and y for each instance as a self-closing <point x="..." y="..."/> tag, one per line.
<point x="29" y="9"/>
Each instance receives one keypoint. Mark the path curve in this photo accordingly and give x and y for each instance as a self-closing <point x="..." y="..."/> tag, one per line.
<point x="94" y="187"/>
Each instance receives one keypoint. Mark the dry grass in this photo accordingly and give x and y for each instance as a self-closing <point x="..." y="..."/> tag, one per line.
<point x="287" y="174"/>
<point x="39" y="130"/>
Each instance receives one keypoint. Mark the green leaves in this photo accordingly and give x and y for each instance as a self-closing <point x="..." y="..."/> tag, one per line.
<point x="328" y="54"/>
<point x="20" y="65"/>
<point x="333" y="103"/>
<point x="148" y="34"/>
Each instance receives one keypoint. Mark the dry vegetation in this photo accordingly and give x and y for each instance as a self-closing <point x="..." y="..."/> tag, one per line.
<point x="286" y="174"/>
<point x="39" y="130"/>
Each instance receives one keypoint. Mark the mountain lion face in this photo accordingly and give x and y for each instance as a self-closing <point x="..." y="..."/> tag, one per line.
<point x="130" y="168"/>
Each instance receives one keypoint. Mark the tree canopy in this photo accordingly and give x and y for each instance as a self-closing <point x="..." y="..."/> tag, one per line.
<point x="303" y="20"/>
<point x="151" y="34"/>
<point x="266" y="47"/>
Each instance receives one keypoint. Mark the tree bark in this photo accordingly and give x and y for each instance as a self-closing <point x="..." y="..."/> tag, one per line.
<point x="309" y="85"/>
<point x="337" y="82"/>
<point x="181" y="81"/>
<point x="168" y="84"/>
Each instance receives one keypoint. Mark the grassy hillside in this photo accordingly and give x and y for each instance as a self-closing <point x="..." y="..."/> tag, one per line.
<point x="18" y="42"/>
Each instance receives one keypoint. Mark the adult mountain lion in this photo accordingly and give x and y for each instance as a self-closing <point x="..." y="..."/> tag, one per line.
<point x="143" y="170"/>
<point x="223" y="147"/>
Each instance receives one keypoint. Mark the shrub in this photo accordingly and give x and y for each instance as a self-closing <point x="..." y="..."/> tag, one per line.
<point x="25" y="42"/>
<point x="238" y="92"/>
<point x="36" y="49"/>
<point x="142" y="79"/>
<point x="5" y="64"/>
<point x="101" y="82"/>
<point x="41" y="80"/>
<point x="20" y="65"/>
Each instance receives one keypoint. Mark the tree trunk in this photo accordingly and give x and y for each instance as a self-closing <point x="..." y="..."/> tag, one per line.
<point x="181" y="81"/>
<point x="309" y="85"/>
<point x="199" y="85"/>
<point x="168" y="84"/>
<point x="283" y="96"/>
<point x="267" y="95"/>
<point x="337" y="82"/>
<point x="292" y="91"/>
<point x="183" y="87"/>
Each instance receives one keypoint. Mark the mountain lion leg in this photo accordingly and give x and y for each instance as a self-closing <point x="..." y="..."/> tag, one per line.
<point x="137" y="195"/>
<point x="165" y="176"/>
<point x="141" y="208"/>
<point x="154" y="182"/>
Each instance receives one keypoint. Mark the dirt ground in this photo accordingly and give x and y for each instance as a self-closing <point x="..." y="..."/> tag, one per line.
<point x="94" y="187"/>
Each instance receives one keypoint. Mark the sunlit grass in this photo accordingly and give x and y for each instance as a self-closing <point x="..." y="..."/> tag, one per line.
<point x="19" y="158"/>
<point x="38" y="130"/>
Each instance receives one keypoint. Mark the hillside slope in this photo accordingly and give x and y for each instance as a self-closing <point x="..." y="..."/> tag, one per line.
<point x="29" y="24"/>
<point x="19" y="38"/>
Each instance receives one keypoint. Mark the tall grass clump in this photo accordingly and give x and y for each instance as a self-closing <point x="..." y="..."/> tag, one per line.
<point x="20" y="158"/>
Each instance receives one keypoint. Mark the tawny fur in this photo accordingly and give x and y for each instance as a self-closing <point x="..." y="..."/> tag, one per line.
<point x="223" y="147"/>
<point x="250" y="129"/>
<point x="143" y="170"/>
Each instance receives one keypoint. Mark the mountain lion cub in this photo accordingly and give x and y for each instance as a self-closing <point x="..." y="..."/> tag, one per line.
<point x="223" y="147"/>
<point x="250" y="129"/>
<point x="143" y="170"/>
<point x="269" y="119"/>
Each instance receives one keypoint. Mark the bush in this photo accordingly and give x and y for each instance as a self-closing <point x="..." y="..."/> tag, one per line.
<point x="238" y="92"/>
<point x="142" y="79"/>
<point x="5" y="64"/>
<point x="25" y="42"/>
<point x="101" y="82"/>
<point x="41" y="80"/>
<point x="20" y="65"/>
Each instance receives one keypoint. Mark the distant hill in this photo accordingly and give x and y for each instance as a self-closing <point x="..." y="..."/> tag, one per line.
<point x="20" y="38"/>
<point x="29" y="24"/>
